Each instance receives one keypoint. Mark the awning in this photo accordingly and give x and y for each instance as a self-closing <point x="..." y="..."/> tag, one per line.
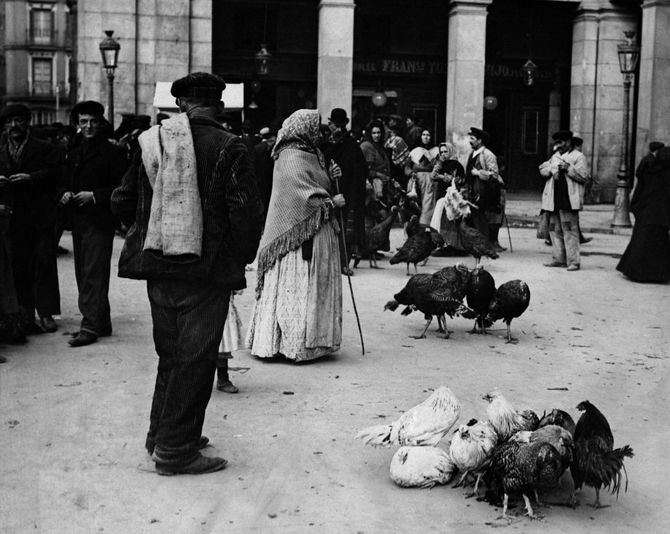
<point x="232" y="97"/>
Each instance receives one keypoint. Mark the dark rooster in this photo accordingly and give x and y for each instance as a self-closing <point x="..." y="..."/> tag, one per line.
<point x="559" y="418"/>
<point x="597" y="463"/>
<point x="437" y="294"/>
<point x="510" y="301"/>
<point x="416" y="249"/>
<point x="479" y="295"/>
<point x="377" y="238"/>
<point x="524" y="468"/>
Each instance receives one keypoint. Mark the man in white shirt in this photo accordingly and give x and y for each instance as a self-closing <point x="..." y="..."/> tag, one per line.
<point x="566" y="173"/>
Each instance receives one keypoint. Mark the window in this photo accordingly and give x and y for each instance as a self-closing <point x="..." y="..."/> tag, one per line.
<point x="42" y="76"/>
<point x="41" y="24"/>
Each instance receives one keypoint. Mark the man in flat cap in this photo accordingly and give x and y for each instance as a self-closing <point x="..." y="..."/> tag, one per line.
<point x="343" y="150"/>
<point x="93" y="168"/>
<point x="565" y="173"/>
<point x="29" y="173"/>
<point x="192" y="251"/>
<point x="485" y="187"/>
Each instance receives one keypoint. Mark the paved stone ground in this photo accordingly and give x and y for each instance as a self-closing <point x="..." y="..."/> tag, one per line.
<point x="73" y="420"/>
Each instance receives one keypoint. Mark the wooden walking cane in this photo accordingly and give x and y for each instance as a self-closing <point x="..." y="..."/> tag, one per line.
<point x="346" y="255"/>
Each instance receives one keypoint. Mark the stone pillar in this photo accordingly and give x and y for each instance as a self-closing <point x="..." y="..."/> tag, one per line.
<point x="596" y="95"/>
<point x="335" y="69"/>
<point x="653" y="96"/>
<point x="466" y="59"/>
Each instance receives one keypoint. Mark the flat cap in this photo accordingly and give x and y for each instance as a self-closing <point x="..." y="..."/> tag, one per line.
<point x="478" y="133"/>
<point x="199" y="85"/>
<point x="577" y="141"/>
<point x="562" y="135"/>
<point x="14" y="110"/>
<point x="655" y="145"/>
<point x="87" y="107"/>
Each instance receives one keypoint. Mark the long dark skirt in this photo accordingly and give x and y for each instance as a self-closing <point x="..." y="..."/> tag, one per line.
<point x="647" y="257"/>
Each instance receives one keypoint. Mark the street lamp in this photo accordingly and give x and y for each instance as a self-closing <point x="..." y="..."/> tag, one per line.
<point x="109" y="49"/>
<point x="263" y="60"/>
<point x="629" y="53"/>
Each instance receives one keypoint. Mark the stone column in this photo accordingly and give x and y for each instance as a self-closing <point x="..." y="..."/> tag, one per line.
<point x="653" y="96"/>
<point x="596" y="95"/>
<point x="335" y="69"/>
<point x="466" y="58"/>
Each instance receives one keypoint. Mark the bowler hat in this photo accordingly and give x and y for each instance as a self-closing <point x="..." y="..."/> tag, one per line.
<point x="14" y="110"/>
<point x="88" y="107"/>
<point x="562" y="135"/>
<point x="198" y="85"/>
<point x="339" y="117"/>
<point x="655" y="145"/>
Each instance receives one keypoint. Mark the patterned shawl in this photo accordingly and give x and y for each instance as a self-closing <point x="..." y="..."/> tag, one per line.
<point x="300" y="199"/>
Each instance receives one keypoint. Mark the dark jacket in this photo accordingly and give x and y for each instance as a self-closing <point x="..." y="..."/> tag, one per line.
<point x="263" y="167"/>
<point x="96" y="166"/>
<point x="651" y="200"/>
<point x="348" y="155"/>
<point x="231" y="210"/>
<point x="33" y="202"/>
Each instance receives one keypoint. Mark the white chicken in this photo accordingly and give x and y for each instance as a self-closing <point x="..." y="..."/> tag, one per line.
<point x="421" y="467"/>
<point x="471" y="449"/>
<point x="425" y="424"/>
<point x="505" y="419"/>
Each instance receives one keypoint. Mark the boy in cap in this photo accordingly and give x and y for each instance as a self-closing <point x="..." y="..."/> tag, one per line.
<point x="29" y="173"/>
<point x="565" y="173"/>
<point x="212" y="215"/>
<point x="93" y="168"/>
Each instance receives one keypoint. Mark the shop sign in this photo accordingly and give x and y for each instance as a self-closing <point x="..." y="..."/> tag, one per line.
<point x="497" y="70"/>
<point x="412" y="67"/>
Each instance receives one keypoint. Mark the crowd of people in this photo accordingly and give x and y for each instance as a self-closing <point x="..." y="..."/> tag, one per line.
<point x="199" y="203"/>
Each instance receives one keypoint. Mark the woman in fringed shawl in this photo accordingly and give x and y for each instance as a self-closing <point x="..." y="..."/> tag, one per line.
<point x="298" y="307"/>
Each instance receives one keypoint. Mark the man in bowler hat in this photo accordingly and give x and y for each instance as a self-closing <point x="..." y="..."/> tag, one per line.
<point x="343" y="150"/>
<point x="565" y="174"/>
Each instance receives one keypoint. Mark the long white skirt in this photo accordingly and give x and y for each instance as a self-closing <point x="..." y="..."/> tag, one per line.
<point x="299" y="311"/>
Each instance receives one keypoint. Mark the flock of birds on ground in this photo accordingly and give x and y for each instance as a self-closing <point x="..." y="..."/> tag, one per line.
<point x="443" y="292"/>
<point x="511" y="452"/>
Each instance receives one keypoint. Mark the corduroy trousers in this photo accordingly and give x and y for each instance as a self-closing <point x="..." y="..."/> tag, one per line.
<point x="188" y="321"/>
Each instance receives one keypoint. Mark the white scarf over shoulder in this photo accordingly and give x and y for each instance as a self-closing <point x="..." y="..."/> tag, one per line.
<point x="175" y="220"/>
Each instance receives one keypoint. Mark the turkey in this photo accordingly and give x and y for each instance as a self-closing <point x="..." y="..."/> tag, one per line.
<point x="479" y="295"/>
<point x="377" y="238"/>
<point x="421" y="467"/>
<point x="425" y="424"/>
<point x="510" y="301"/>
<point x="505" y="419"/>
<point x="473" y="241"/>
<point x="416" y="249"/>
<point x="434" y="295"/>
<point x="414" y="226"/>
<point x="471" y="449"/>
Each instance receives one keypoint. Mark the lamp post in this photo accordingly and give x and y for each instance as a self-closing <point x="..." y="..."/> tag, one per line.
<point x="629" y="53"/>
<point x="109" y="49"/>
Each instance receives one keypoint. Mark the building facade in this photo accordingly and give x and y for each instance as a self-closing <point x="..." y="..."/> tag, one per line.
<point x="38" y="41"/>
<point x="452" y="63"/>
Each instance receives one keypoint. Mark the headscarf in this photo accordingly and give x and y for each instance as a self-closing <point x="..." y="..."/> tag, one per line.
<point x="300" y="199"/>
<point x="301" y="131"/>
